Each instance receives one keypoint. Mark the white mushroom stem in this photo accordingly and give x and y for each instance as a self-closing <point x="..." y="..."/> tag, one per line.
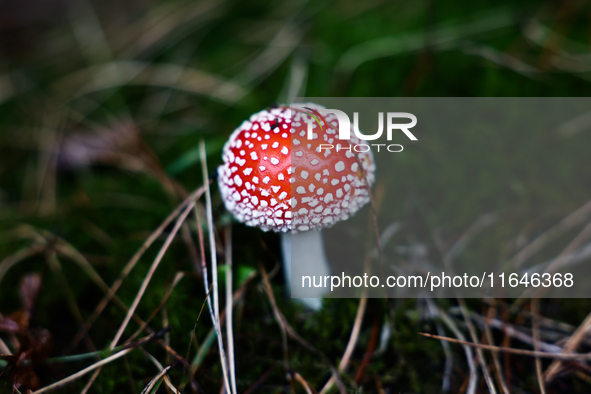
<point x="304" y="255"/>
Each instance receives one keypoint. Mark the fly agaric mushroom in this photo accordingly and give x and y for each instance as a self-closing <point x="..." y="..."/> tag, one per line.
<point x="274" y="178"/>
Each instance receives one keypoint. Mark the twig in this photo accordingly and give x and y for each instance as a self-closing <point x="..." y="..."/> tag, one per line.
<point x="479" y="352"/>
<point x="288" y="330"/>
<point x="131" y="264"/>
<point x="156" y="378"/>
<point x="352" y="341"/>
<point x="434" y="312"/>
<point x="278" y="316"/>
<point x="309" y="389"/>
<point x="495" y="356"/>
<point x="373" y="339"/>
<point x="150" y="273"/>
<point x="215" y="313"/>
<point x="144" y="284"/>
<point x="572" y="343"/>
<point x="535" y="309"/>
<point x="229" y="306"/>
<point x="521" y="352"/>
<point x="512" y="332"/>
<point x="175" y="281"/>
<point x="83" y="372"/>
<point x="161" y="368"/>
<point x="473" y="381"/>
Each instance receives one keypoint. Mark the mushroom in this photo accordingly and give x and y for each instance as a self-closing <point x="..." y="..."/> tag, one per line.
<point x="275" y="178"/>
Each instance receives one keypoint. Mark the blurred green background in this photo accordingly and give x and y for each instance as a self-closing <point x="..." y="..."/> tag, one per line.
<point x="102" y="107"/>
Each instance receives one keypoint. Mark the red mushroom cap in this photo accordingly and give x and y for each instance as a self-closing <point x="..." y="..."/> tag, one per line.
<point x="274" y="178"/>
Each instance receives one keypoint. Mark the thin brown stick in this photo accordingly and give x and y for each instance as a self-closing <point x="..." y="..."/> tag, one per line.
<point x="277" y="314"/>
<point x="309" y="389"/>
<point x="151" y="271"/>
<point x="495" y="356"/>
<point x="373" y="340"/>
<point x="535" y="309"/>
<point x="156" y="378"/>
<point x="572" y="344"/>
<point x="522" y="352"/>
<point x="144" y="284"/>
<point x="83" y="372"/>
<point x="130" y="265"/>
<point x="284" y="325"/>
<point x="175" y="281"/>
<point x="352" y="341"/>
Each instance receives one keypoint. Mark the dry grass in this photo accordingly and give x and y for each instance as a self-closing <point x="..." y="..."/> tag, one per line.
<point x="134" y="94"/>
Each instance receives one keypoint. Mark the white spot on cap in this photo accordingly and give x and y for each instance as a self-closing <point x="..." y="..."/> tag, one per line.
<point x="301" y="190"/>
<point x="340" y="166"/>
<point x="247" y="171"/>
<point x="237" y="180"/>
<point x="266" y="180"/>
<point x="274" y="161"/>
<point x="304" y="174"/>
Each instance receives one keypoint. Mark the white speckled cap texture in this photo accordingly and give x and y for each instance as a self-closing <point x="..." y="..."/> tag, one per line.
<point x="275" y="178"/>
